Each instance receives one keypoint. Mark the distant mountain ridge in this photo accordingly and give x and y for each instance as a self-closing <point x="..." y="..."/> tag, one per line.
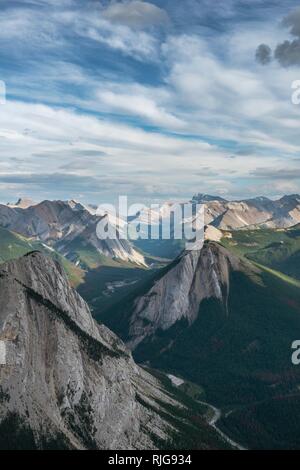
<point x="70" y="228"/>
<point x="255" y="213"/>
<point x="236" y="214"/>
<point x="13" y="245"/>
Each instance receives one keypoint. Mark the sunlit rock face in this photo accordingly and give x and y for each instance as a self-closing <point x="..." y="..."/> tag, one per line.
<point x="195" y="275"/>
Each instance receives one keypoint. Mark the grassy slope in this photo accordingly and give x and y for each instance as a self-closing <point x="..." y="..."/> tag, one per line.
<point x="278" y="249"/>
<point x="279" y="275"/>
<point x="13" y="245"/>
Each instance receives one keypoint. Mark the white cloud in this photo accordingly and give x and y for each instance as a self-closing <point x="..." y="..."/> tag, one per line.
<point x="41" y="29"/>
<point x="228" y="101"/>
<point x="202" y="93"/>
<point x="138" y="44"/>
<point x="140" y="105"/>
<point x="210" y="88"/>
<point x="42" y="138"/>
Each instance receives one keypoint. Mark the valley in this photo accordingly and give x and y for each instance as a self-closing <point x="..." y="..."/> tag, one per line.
<point x="223" y="317"/>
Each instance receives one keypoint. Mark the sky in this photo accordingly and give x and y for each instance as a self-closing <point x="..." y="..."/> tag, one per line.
<point x="155" y="100"/>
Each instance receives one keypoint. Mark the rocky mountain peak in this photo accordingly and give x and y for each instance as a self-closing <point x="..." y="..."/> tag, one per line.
<point x="194" y="276"/>
<point x="75" y="205"/>
<point x="201" y="198"/>
<point x="43" y="276"/>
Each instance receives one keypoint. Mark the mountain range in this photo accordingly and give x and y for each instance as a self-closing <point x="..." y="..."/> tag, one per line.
<point x="219" y="320"/>
<point x="259" y="212"/>
<point x="70" y="228"/>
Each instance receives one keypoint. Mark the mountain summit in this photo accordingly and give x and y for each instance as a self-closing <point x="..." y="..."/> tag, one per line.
<point x="194" y="276"/>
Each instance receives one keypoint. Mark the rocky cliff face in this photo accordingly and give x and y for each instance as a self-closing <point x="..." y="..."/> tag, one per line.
<point x="66" y="381"/>
<point x="195" y="276"/>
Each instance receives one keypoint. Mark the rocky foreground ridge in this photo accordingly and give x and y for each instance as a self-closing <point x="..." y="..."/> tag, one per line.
<point x="67" y="382"/>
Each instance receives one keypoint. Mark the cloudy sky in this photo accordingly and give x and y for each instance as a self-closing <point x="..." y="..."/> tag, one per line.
<point x="156" y="100"/>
